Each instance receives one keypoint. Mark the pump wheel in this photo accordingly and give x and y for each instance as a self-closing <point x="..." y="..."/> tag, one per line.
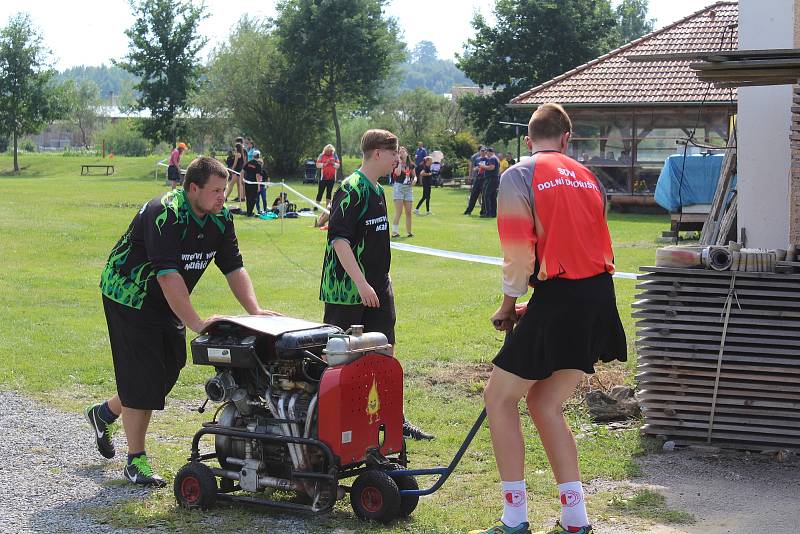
<point x="408" y="503"/>
<point x="375" y="496"/>
<point x="195" y="486"/>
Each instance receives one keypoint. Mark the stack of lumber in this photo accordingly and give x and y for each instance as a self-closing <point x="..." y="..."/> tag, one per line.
<point x="719" y="357"/>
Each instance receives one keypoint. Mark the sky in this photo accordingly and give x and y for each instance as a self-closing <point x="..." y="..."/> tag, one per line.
<point x="90" y="32"/>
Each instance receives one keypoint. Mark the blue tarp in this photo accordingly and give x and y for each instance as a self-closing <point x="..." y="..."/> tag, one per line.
<point x="701" y="173"/>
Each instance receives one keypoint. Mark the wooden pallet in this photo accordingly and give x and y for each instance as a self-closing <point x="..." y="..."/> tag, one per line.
<point x="748" y="393"/>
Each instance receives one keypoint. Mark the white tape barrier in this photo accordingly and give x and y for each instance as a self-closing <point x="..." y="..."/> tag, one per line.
<point x="474" y="258"/>
<point x="299" y="194"/>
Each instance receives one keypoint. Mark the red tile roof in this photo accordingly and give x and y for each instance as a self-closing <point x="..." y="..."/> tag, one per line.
<point x="612" y="79"/>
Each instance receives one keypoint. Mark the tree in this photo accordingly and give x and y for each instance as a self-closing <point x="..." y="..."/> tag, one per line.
<point x="339" y="51"/>
<point x="532" y="42"/>
<point x="632" y="21"/>
<point x="424" y="52"/>
<point x="163" y="48"/>
<point x="248" y="85"/>
<point x="84" y="99"/>
<point x="28" y="99"/>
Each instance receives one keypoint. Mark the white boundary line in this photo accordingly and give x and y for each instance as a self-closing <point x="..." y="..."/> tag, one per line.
<point x="474" y="258"/>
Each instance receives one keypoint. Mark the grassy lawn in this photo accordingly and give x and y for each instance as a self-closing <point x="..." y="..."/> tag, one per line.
<point x="57" y="228"/>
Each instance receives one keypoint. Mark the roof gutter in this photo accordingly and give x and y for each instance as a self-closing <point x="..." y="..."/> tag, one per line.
<point x="629" y="104"/>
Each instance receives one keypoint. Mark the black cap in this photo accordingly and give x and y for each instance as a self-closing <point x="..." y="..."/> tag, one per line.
<point x="490" y="149"/>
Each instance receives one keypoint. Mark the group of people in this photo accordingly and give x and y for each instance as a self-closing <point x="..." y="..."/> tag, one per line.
<point x="551" y="218"/>
<point x="485" y="169"/>
<point x="247" y="172"/>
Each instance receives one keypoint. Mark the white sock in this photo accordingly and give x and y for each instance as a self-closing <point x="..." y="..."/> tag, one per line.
<point x="515" y="503"/>
<point x="395" y="228"/>
<point x="573" y="505"/>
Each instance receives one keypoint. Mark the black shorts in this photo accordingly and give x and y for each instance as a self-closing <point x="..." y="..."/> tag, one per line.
<point x="173" y="174"/>
<point x="147" y="358"/>
<point x="381" y="319"/>
<point x="569" y="324"/>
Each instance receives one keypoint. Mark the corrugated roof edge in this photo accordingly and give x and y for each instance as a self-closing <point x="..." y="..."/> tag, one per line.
<point x="514" y="102"/>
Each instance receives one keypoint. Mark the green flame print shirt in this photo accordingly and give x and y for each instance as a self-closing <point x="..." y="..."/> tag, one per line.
<point x="358" y="215"/>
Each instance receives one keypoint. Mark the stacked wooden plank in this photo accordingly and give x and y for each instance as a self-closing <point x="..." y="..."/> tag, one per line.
<point x="741" y="393"/>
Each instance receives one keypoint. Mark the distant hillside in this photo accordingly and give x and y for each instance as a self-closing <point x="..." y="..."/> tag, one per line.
<point x="111" y="80"/>
<point x="425" y="69"/>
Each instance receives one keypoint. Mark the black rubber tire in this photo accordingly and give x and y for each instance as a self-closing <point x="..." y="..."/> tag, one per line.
<point x="195" y="486"/>
<point x="408" y="503"/>
<point x="374" y="496"/>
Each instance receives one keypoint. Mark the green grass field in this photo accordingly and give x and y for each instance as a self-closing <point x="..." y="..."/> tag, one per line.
<point x="57" y="228"/>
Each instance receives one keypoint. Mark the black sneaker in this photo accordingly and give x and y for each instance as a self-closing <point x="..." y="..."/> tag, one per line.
<point x="140" y="472"/>
<point x="103" y="432"/>
<point x="414" y="432"/>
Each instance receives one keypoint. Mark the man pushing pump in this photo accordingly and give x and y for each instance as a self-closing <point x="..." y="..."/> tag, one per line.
<point x="146" y="285"/>
<point x="554" y="234"/>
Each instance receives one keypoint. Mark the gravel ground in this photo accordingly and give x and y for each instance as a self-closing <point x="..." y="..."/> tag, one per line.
<point x="727" y="493"/>
<point x="50" y="471"/>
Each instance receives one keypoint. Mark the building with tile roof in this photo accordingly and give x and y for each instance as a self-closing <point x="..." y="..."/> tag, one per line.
<point x="628" y="116"/>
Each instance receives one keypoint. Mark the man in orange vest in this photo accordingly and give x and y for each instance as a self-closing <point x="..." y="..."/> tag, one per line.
<point x="553" y="231"/>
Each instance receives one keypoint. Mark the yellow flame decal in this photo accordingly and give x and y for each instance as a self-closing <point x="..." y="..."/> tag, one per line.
<point x="373" y="401"/>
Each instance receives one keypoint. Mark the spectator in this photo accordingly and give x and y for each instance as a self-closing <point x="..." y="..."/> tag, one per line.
<point x="328" y="163"/>
<point x="476" y="173"/>
<point x="253" y="176"/>
<point x="403" y="180"/>
<point x="239" y="159"/>
<point x="251" y="148"/>
<point x="174" y="168"/>
<point x="510" y="160"/>
<point x="491" y="180"/>
<point x="503" y="162"/>
<point x="420" y="154"/>
<point x="426" y="175"/>
<point x="261" y="199"/>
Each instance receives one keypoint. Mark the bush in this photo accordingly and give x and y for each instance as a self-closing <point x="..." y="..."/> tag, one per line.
<point x="458" y="146"/>
<point x="27" y="145"/>
<point x="123" y="138"/>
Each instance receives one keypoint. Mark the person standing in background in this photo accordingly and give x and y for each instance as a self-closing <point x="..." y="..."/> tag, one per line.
<point x="420" y="154"/>
<point x="403" y="179"/>
<point x="174" y="167"/>
<point x="477" y="174"/>
<point x="491" y="180"/>
<point x="426" y="175"/>
<point x="328" y="163"/>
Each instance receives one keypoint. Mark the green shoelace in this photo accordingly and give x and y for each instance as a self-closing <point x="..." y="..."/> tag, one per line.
<point x="143" y="465"/>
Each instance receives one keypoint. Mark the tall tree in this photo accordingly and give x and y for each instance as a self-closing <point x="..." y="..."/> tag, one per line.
<point x="532" y="42"/>
<point x="632" y="21"/>
<point x="424" y="52"/>
<point x="28" y="99"/>
<point x="84" y="99"/>
<point x="163" y="48"/>
<point x="340" y="51"/>
<point x="248" y="86"/>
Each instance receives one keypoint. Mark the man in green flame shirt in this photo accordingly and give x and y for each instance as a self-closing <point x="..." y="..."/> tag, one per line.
<point x="355" y="286"/>
<point x="146" y="285"/>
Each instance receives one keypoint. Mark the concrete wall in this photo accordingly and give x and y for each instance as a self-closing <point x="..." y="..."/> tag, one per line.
<point x="763" y="129"/>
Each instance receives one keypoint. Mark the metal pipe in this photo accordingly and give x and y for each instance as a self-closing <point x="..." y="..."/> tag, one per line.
<point x="287" y="431"/>
<point x="280" y="483"/>
<point x="311" y="407"/>
<point x="297" y="432"/>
